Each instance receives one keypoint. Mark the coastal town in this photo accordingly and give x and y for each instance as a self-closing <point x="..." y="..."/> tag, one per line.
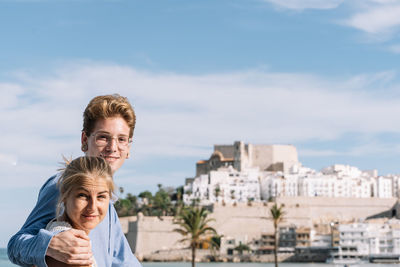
<point x="337" y="214"/>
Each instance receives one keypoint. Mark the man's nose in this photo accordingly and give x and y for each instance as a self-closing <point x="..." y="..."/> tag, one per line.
<point x="112" y="144"/>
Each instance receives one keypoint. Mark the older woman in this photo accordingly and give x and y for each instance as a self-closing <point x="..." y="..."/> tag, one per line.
<point x="108" y="124"/>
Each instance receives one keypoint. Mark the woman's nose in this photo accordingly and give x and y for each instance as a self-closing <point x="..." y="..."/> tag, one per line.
<point x="91" y="204"/>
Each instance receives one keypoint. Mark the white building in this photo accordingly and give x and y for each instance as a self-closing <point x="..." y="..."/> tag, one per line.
<point x="334" y="181"/>
<point x="395" y="180"/>
<point x="224" y="185"/>
<point x="384" y="236"/>
<point x="278" y="184"/>
<point x="384" y="186"/>
<point x="320" y="240"/>
<point x="378" y="236"/>
<point x="245" y="172"/>
<point x="354" y="239"/>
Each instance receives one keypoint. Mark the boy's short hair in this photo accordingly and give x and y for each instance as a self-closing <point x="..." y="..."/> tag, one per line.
<point x="108" y="106"/>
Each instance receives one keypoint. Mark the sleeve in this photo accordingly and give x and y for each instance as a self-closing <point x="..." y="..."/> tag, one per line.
<point x="29" y="245"/>
<point x="122" y="255"/>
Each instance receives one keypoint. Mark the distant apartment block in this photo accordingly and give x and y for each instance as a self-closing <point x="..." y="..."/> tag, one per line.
<point x="371" y="237"/>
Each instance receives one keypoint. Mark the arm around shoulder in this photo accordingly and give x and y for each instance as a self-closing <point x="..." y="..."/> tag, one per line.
<point x="28" y="246"/>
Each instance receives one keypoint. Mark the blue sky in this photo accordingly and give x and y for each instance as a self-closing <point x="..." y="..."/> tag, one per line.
<point x="321" y="75"/>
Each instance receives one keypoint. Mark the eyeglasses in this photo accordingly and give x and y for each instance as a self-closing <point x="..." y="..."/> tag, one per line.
<point x="102" y="139"/>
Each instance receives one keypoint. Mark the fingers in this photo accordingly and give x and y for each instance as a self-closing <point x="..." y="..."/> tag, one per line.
<point x="79" y="233"/>
<point x="79" y="259"/>
<point x="71" y="247"/>
<point x="73" y="262"/>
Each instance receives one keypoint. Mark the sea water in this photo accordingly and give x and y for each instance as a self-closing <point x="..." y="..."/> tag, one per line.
<point x="4" y="262"/>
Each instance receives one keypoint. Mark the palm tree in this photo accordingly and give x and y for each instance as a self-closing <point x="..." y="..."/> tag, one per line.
<point x="194" y="227"/>
<point x="179" y="191"/>
<point x="277" y="216"/>
<point x="215" y="245"/>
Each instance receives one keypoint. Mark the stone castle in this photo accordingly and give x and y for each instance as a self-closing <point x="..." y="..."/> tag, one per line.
<point x="245" y="156"/>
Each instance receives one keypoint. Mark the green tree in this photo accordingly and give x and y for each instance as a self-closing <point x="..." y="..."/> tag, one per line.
<point x="177" y="195"/>
<point x="194" y="227"/>
<point x="147" y="202"/>
<point x="126" y="206"/>
<point x="177" y="199"/>
<point x="233" y="194"/>
<point x="242" y="247"/>
<point x="217" y="191"/>
<point x="146" y="196"/>
<point x="277" y="214"/>
<point x="134" y="204"/>
<point x="122" y="206"/>
<point x="162" y="203"/>
<point x="215" y="244"/>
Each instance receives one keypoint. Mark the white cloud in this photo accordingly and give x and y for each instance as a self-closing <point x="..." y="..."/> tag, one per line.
<point x="306" y="4"/>
<point x="10" y="95"/>
<point x="394" y="48"/>
<point x="8" y="159"/>
<point x="318" y="153"/>
<point x="371" y="148"/>
<point x="184" y="115"/>
<point x="377" y="19"/>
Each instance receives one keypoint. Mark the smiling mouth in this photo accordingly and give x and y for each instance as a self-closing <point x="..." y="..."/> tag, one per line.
<point x="89" y="217"/>
<point x="110" y="158"/>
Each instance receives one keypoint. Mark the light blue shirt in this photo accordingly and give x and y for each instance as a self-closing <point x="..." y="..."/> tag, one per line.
<point x="28" y="247"/>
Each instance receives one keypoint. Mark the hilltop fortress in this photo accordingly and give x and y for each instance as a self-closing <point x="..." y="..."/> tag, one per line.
<point x="245" y="156"/>
<point x="245" y="172"/>
<point x="239" y="183"/>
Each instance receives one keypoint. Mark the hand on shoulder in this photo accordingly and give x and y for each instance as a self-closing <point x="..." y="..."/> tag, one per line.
<point x="70" y="247"/>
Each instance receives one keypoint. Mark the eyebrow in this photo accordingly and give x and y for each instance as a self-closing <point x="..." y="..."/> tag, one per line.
<point x="84" y="189"/>
<point x="105" y="132"/>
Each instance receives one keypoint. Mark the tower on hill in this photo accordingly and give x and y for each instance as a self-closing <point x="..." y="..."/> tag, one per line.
<point x="243" y="156"/>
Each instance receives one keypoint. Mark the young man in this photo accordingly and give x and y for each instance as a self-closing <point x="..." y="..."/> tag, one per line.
<point x="108" y="124"/>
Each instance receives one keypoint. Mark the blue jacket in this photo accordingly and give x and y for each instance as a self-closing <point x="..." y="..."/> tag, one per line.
<point x="28" y="247"/>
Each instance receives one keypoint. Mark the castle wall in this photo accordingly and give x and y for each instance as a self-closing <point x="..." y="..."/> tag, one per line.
<point x="266" y="157"/>
<point x="262" y="156"/>
<point x="274" y="157"/>
<point x="244" y="223"/>
<point x="286" y="154"/>
<point x="147" y="235"/>
<point x="226" y="150"/>
<point x="202" y="168"/>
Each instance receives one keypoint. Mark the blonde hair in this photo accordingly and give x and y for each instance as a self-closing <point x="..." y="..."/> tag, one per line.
<point x="108" y="106"/>
<point x="79" y="172"/>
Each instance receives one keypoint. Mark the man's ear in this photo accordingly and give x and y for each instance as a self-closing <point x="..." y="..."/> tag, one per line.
<point x="129" y="149"/>
<point x="84" y="142"/>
